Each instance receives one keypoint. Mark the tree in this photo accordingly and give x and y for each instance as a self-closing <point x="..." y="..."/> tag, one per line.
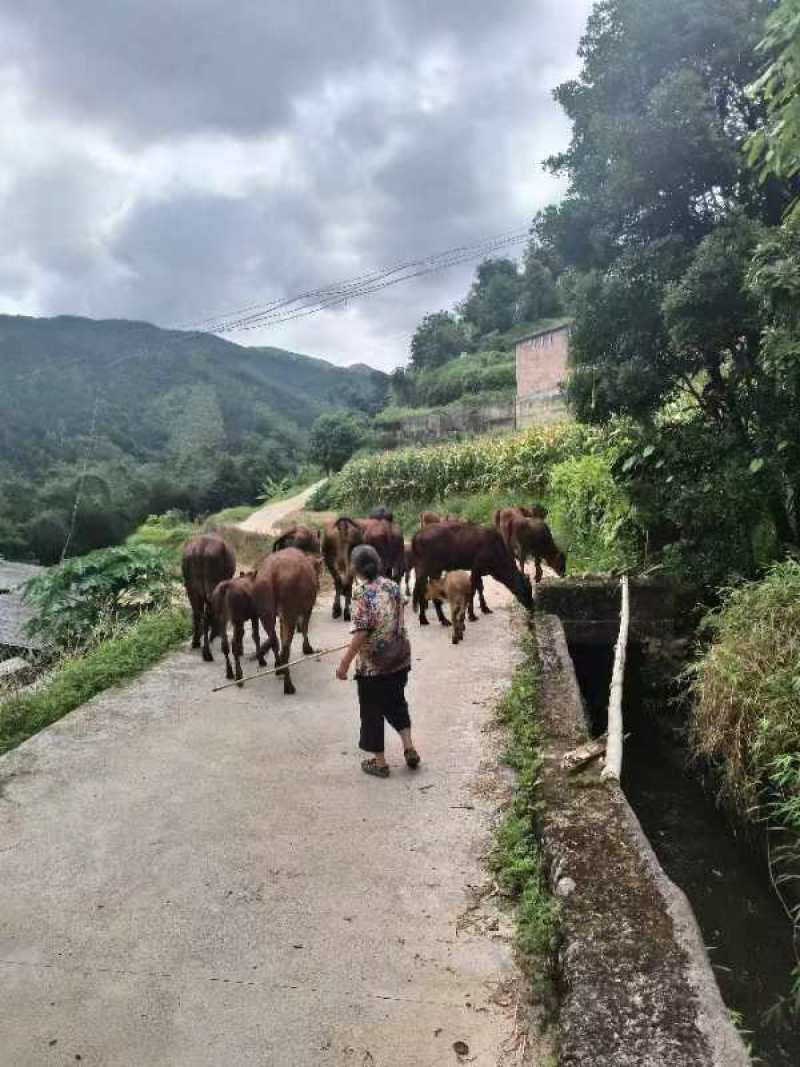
<point x="438" y="338"/>
<point x="659" y="113"/>
<point x="538" y="296"/>
<point x="775" y="147"/>
<point x="493" y="301"/>
<point x="334" y="439"/>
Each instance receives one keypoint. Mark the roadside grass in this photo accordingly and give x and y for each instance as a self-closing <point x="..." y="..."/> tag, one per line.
<point x="516" y="859"/>
<point x="235" y="514"/>
<point x="76" y="679"/>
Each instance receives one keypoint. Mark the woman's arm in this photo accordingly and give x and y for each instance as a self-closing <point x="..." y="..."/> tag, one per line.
<point x="358" y="641"/>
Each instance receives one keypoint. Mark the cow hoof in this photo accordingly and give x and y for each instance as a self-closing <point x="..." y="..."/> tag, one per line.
<point x="337" y="610"/>
<point x="445" y="622"/>
<point x="229" y="674"/>
<point x="261" y="661"/>
<point x="473" y="617"/>
<point x="423" y="621"/>
<point x="196" y="644"/>
<point x="308" y="650"/>
<point x="207" y="655"/>
<point x="347" y="614"/>
<point x="240" y="685"/>
<point x="288" y="689"/>
<point x="487" y="611"/>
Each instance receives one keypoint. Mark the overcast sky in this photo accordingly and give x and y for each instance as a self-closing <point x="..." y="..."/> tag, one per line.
<point x="172" y="159"/>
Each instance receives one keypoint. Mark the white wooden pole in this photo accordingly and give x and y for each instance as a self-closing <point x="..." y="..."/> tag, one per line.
<point x="613" y="766"/>
<point x="274" y="670"/>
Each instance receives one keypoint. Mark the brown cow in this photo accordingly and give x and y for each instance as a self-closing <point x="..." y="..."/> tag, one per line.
<point x="339" y="538"/>
<point x="207" y="560"/>
<point x="286" y="587"/>
<point x="302" y="537"/>
<point x="504" y="517"/>
<point x="532" y="537"/>
<point x="430" y="518"/>
<point x="232" y="603"/>
<point x="456" y="588"/>
<point x="386" y="538"/>
<point x="464" y="546"/>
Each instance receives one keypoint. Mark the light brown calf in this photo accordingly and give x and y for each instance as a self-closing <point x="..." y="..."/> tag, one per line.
<point x="456" y="588"/>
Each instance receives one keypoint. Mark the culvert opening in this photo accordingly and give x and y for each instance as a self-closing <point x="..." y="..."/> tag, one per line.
<point x="743" y="925"/>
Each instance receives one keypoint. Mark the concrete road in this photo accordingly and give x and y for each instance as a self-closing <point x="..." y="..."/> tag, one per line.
<point x="263" y="521"/>
<point x="189" y="880"/>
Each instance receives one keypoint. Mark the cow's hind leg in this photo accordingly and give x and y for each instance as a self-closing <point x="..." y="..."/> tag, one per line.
<point x="238" y="649"/>
<point x="478" y="580"/>
<point x="256" y="641"/>
<point x="420" y="601"/>
<point x="304" y="624"/>
<point x="287" y="633"/>
<point x="226" y="648"/>
<point x="206" y="631"/>
<point x="197" y="618"/>
<point x="348" y="595"/>
<point x="440" y="615"/>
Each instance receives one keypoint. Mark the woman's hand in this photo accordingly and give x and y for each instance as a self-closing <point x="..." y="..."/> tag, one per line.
<point x="342" y="669"/>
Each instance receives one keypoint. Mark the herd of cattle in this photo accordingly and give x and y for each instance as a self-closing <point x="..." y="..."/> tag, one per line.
<point x="448" y="556"/>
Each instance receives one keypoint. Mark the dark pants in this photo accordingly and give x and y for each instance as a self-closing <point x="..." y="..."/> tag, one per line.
<point x="381" y="697"/>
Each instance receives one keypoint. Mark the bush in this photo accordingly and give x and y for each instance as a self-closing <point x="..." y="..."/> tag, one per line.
<point x="747" y="685"/>
<point x="169" y="531"/>
<point x="89" y="597"/>
<point x="592" y="512"/>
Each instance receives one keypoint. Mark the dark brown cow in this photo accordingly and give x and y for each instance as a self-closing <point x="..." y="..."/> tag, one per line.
<point x="504" y="517"/>
<point x="339" y="538"/>
<point x="386" y="538"/>
<point x="464" y="546"/>
<point x="430" y="518"/>
<point x="232" y="604"/>
<point x="286" y="587"/>
<point x="532" y="537"/>
<point x="207" y="560"/>
<point x="302" y="537"/>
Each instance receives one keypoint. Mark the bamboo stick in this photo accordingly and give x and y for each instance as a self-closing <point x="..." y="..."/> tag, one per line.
<point x="283" y="666"/>
<point x="613" y="766"/>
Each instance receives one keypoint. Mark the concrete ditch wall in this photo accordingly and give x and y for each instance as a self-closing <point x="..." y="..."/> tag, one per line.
<point x="637" y="988"/>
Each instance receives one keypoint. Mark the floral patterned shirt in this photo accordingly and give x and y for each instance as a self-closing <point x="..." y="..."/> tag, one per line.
<point x="375" y="608"/>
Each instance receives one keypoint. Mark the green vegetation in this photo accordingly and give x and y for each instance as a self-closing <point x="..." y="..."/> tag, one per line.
<point x="78" y="679"/>
<point x="516" y="858"/>
<point x="86" y="599"/>
<point x="746" y="715"/>
<point x="335" y="437"/>
<point x="177" y="420"/>
<point x="775" y="147"/>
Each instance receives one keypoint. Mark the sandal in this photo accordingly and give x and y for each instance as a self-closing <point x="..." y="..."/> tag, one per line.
<point x="412" y="758"/>
<point x="369" y="766"/>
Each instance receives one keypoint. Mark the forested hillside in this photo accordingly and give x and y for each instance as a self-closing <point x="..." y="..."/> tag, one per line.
<point x="161" y="418"/>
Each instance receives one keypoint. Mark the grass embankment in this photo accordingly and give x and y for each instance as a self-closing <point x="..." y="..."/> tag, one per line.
<point x="746" y="720"/>
<point x="516" y="859"/>
<point x="79" y="678"/>
<point x="565" y="466"/>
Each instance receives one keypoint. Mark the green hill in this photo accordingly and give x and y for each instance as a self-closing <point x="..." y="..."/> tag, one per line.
<point x="163" y="418"/>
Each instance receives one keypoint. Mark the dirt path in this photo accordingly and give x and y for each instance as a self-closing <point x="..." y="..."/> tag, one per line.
<point x="189" y="879"/>
<point x="264" y="520"/>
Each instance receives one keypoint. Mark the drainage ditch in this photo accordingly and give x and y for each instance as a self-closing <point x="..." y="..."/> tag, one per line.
<point x="744" y="928"/>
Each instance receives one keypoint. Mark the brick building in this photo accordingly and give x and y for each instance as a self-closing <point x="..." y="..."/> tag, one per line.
<point x="541" y="369"/>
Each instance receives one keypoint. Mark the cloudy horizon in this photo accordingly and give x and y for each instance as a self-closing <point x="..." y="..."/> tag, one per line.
<point x="168" y="164"/>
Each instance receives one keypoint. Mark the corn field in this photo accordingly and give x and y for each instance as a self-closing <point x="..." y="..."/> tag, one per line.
<point x="519" y="462"/>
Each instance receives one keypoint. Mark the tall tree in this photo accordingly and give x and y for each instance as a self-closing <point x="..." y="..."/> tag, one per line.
<point x="438" y="338"/>
<point x="493" y="301"/>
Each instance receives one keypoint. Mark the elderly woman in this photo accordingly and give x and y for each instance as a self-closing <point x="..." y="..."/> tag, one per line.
<point x="384" y="659"/>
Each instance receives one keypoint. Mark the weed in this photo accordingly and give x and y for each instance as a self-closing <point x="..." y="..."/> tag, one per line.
<point x="516" y="859"/>
<point x="78" y="679"/>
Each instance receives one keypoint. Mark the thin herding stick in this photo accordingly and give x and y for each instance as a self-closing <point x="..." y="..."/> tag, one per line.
<point x="283" y="666"/>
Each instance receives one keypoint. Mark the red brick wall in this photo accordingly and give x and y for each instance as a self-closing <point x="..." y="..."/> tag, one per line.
<point x="542" y="362"/>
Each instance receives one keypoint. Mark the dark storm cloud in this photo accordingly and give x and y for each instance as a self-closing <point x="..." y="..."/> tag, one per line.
<point x="169" y="160"/>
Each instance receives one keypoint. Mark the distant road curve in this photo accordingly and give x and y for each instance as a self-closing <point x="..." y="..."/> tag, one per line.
<point x="263" y="521"/>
